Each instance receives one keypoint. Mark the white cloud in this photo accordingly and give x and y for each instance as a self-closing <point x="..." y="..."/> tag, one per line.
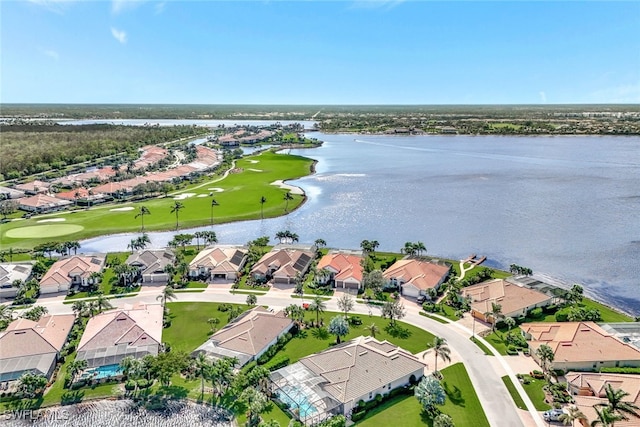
<point x="543" y="97"/>
<point x="375" y="4"/>
<point x="56" y="6"/>
<point x="160" y="7"/>
<point x="118" y="6"/>
<point x="119" y="35"/>
<point x="622" y="94"/>
<point x="52" y="54"/>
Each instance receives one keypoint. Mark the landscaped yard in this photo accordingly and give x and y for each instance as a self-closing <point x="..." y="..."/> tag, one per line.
<point x="535" y="392"/>
<point x="517" y="399"/>
<point x="462" y="405"/>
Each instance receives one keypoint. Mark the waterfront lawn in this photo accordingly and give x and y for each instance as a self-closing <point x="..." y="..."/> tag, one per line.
<point x="189" y="327"/>
<point x="517" y="399"/>
<point x="239" y="200"/>
<point x="608" y="315"/>
<point x="462" y="404"/>
<point x="314" y="340"/>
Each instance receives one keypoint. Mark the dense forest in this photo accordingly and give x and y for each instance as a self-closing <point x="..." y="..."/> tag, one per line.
<point x="33" y="148"/>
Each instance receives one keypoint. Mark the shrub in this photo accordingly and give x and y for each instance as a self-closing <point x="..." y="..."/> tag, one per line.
<point x="562" y="316"/>
<point x="536" y="313"/>
<point x="512" y="350"/>
<point x="623" y="370"/>
<point x="357" y="416"/>
<point x="129" y="385"/>
<point x="278" y="363"/>
<point x="537" y="374"/>
<point x="144" y="383"/>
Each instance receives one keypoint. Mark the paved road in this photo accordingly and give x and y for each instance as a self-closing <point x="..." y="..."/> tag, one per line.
<point x="496" y="401"/>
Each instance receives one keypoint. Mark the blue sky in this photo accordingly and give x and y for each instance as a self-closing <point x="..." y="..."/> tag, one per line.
<point x="320" y="52"/>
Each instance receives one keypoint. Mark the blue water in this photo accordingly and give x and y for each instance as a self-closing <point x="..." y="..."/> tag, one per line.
<point x="305" y="407"/>
<point x="106" y="371"/>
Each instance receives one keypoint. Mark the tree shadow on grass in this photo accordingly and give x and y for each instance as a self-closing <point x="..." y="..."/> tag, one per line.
<point x="172" y="391"/>
<point x="24" y="404"/>
<point x="454" y="394"/>
<point x="71" y="397"/>
<point x="397" y="331"/>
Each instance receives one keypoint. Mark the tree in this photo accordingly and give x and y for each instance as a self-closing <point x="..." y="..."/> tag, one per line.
<point x="102" y="303"/>
<point x="510" y="322"/>
<point x="295" y="313"/>
<point x="31" y="384"/>
<point x="318" y="305"/>
<point x="80" y="308"/>
<point x="546" y="356"/>
<point x="75" y="367"/>
<point x="617" y="406"/>
<point x="6" y="313"/>
<point x="198" y="235"/>
<point x="420" y="248"/>
<point x="605" y="417"/>
<point x="7" y="207"/>
<point x="393" y="310"/>
<point x="73" y="244"/>
<point x="339" y="327"/>
<point x="252" y="300"/>
<point x="440" y="349"/>
<point x="408" y="249"/>
<point x="165" y="365"/>
<point x="263" y="200"/>
<point x="213" y="203"/>
<point x="345" y="303"/>
<point x="373" y="329"/>
<point x="374" y="281"/>
<point x="176" y="208"/>
<point x="213" y="322"/>
<point x="572" y="413"/>
<point x="209" y="237"/>
<point x="320" y="243"/>
<point x="256" y="403"/>
<point x="142" y="211"/>
<point x="575" y="295"/>
<point x="202" y="369"/>
<point x="183" y="240"/>
<point x="287" y="197"/>
<point x="443" y="420"/>
<point x="430" y="393"/>
<point x="494" y="314"/>
<point x="168" y="293"/>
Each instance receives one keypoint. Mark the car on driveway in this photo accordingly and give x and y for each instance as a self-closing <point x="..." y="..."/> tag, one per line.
<point x="421" y="299"/>
<point x="552" y="415"/>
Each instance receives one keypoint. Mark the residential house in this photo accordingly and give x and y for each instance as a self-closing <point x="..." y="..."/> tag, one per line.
<point x="341" y="270"/>
<point x="589" y="389"/>
<point x="7" y="193"/>
<point x="42" y="203"/>
<point x="111" y="336"/>
<point x="34" y="187"/>
<point x="151" y="265"/>
<point x="514" y="300"/>
<point x="28" y="346"/>
<point x="282" y="265"/>
<point x="10" y="272"/>
<point x="218" y="262"/>
<point x="81" y="195"/>
<point x="415" y="277"/>
<point x="580" y="346"/>
<point x="335" y="380"/>
<point x="248" y="336"/>
<point x="72" y="271"/>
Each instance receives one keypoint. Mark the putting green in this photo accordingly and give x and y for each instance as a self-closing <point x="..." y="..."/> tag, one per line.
<point x="40" y="231"/>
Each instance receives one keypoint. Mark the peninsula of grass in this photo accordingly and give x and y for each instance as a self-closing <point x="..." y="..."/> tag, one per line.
<point x="462" y="405"/>
<point x="238" y="196"/>
<point x="517" y="399"/>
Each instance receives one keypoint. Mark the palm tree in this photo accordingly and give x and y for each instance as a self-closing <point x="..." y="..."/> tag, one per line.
<point x="419" y="246"/>
<point x="495" y="314"/>
<point x="606" y="417"/>
<point x="617" y="406"/>
<point x="373" y="329"/>
<point x="339" y="327"/>
<point x="440" y="349"/>
<point x="546" y="356"/>
<point x="318" y="305"/>
<point x="213" y="203"/>
<point x="213" y="322"/>
<point x="263" y="200"/>
<point x="6" y="313"/>
<point x="168" y="293"/>
<point x="75" y="245"/>
<point x="572" y="414"/>
<point x="102" y="303"/>
<point x="79" y="308"/>
<point x="176" y="208"/>
<point x="252" y="300"/>
<point x="287" y="197"/>
<point x="202" y="368"/>
<point x="75" y="367"/>
<point x="198" y="235"/>
<point x="142" y="211"/>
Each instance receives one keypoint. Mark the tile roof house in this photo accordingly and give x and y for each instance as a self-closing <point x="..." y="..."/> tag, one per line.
<point x="282" y="264"/>
<point x="218" y="262"/>
<point x="335" y="380"/>
<point x="151" y="265"/>
<point x="113" y="335"/>
<point x="248" y="336"/>
<point x="81" y="194"/>
<point x="34" y="187"/>
<point x="28" y="346"/>
<point x="515" y="300"/>
<point x="342" y="270"/>
<point x="9" y="273"/>
<point x="41" y="203"/>
<point x="415" y="277"/>
<point x="589" y="389"/>
<point x="580" y="346"/>
<point x="10" y="193"/>
<point x="72" y="271"/>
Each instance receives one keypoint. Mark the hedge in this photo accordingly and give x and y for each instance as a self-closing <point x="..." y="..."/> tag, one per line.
<point x="623" y="370"/>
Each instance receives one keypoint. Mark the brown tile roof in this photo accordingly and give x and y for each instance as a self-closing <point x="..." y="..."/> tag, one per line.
<point x="284" y="262"/>
<point x="422" y="274"/>
<point x="361" y="366"/>
<point x="220" y="258"/>
<point x="151" y="261"/>
<point x="25" y="337"/>
<point x="579" y="342"/>
<point x="62" y="270"/>
<point x="345" y="265"/>
<point x="511" y="297"/>
<point x="42" y="201"/>
<point x="34" y="186"/>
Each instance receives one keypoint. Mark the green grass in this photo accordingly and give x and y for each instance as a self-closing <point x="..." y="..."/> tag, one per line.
<point x="273" y="412"/>
<point x="462" y="405"/>
<point x="496" y="340"/>
<point x="309" y="341"/>
<point x="189" y="327"/>
<point x="196" y="285"/>
<point x="431" y="316"/>
<point x="517" y="399"/>
<point x="482" y="346"/>
<point x="535" y="392"/>
<point x="608" y="315"/>
<point x="240" y="200"/>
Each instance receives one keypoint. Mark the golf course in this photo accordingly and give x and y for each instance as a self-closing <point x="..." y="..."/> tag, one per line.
<point x="249" y="191"/>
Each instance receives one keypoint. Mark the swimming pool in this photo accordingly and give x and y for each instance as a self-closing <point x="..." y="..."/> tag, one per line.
<point x="106" y="371"/>
<point x="301" y="401"/>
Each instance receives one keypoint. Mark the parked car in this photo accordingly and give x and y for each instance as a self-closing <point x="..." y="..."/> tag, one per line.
<point x="421" y="299"/>
<point x="552" y="415"/>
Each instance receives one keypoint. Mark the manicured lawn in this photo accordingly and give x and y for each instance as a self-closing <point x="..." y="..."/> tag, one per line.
<point x="462" y="405"/>
<point x="313" y="340"/>
<point x="239" y="200"/>
<point x="535" y="392"/>
<point x="608" y="315"/>
<point x="482" y="346"/>
<point x="189" y="327"/>
<point x="514" y="393"/>
<point x="196" y="285"/>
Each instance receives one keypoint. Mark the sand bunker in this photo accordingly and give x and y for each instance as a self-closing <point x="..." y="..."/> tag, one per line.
<point x="184" y="196"/>
<point x="216" y="189"/>
<point x="202" y="195"/>
<point x="292" y="188"/>
<point x="255" y="170"/>
<point x="253" y="161"/>
<point x="52" y="230"/>
<point x="126" y="208"/>
<point x="53" y="220"/>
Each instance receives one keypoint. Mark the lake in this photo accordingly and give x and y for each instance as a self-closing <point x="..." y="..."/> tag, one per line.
<point x="566" y="207"/>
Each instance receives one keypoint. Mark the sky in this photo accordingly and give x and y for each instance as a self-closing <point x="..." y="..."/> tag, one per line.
<point x="319" y="52"/>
